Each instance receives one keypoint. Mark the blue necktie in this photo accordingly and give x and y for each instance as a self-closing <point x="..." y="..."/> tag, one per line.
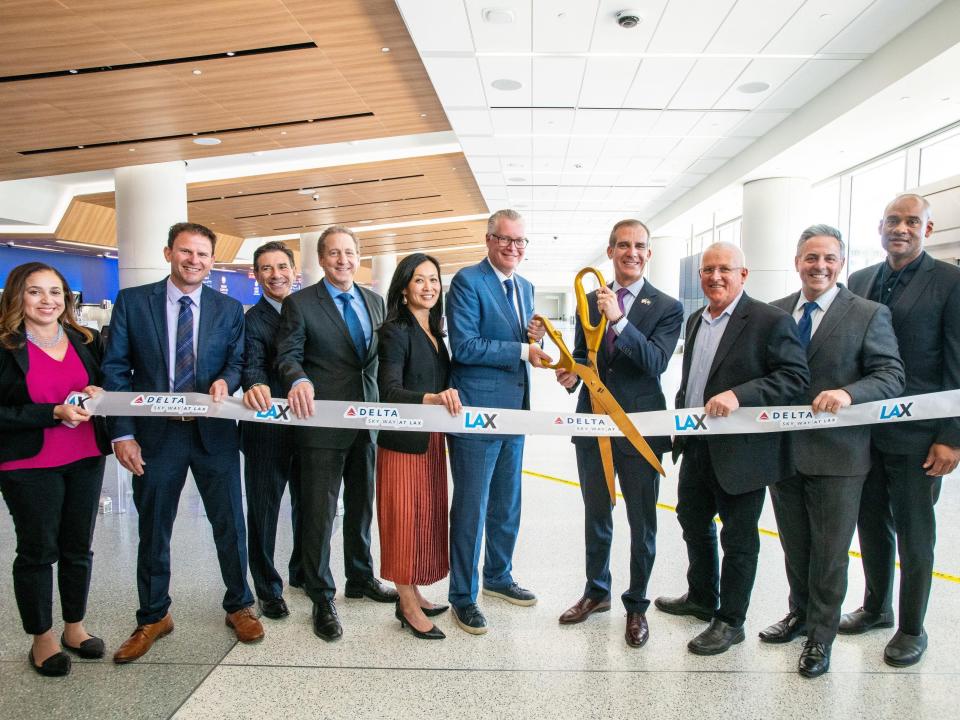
<point x="353" y="324"/>
<point x="184" y="377"/>
<point x="805" y="326"/>
<point x="508" y="286"/>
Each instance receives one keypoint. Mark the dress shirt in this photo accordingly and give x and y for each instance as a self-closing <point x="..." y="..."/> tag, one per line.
<point x="704" y="349"/>
<point x="823" y="302"/>
<point x="889" y="283"/>
<point x="275" y="304"/>
<point x="517" y="305"/>
<point x="632" y="292"/>
<point x="359" y="307"/>
<point x="173" y="314"/>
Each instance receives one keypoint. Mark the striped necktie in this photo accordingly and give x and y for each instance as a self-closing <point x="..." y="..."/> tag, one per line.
<point x="184" y="371"/>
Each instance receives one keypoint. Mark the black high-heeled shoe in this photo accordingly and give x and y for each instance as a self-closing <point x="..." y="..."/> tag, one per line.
<point x="435" y="610"/>
<point x="434" y="633"/>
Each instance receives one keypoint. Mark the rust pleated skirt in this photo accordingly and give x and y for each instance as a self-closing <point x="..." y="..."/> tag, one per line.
<point x="412" y="514"/>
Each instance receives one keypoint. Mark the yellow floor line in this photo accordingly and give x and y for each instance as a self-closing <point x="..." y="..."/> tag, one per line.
<point x="763" y="531"/>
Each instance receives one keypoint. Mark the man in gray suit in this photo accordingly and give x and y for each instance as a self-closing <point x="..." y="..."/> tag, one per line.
<point x="852" y="355"/>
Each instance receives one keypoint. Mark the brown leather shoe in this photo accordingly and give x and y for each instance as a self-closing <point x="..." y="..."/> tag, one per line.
<point x="246" y="625"/>
<point x="142" y="640"/>
<point x="637" y="632"/>
<point x="584" y="608"/>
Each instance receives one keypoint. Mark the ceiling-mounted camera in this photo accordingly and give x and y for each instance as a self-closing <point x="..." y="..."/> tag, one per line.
<point x="629" y="18"/>
<point x="316" y="197"/>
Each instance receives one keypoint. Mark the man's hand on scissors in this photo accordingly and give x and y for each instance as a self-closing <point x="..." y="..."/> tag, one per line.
<point x="607" y="303"/>
<point x="566" y="378"/>
<point x="722" y="404"/>
<point x="538" y="358"/>
<point x="535" y="330"/>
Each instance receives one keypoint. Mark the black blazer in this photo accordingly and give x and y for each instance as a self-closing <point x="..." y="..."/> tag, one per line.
<point x="261" y="324"/>
<point x="926" y="319"/>
<point x="409" y="368"/>
<point x="313" y="342"/>
<point x="22" y="420"/>
<point x="761" y="360"/>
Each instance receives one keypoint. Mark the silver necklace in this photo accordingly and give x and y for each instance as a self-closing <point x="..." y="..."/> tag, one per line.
<point x="46" y="344"/>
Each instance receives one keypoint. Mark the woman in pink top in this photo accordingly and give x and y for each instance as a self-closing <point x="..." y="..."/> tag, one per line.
<point x="51" y="460"/>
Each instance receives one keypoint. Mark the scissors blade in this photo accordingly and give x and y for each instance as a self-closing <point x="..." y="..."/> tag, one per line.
<point x="606" y="455"/>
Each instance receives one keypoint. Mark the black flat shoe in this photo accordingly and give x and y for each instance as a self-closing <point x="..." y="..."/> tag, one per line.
<point x="434" y="633"/>
<point x="435" y="610"/>
<point x="90" y="649"/>
<point x="905" y="650"/>
<point x="57" y="665"/>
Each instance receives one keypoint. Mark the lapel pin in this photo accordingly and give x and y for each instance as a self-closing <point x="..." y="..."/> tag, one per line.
<point x="644" y="301"/>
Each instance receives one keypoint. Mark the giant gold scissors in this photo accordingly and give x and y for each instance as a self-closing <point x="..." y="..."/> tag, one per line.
<point x="601" y="400"/>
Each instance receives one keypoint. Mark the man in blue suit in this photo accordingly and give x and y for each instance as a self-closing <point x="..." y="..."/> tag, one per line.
<point x="489" y="310"/>
<point x="178" y="336"/>
<point x="643" y="325"/>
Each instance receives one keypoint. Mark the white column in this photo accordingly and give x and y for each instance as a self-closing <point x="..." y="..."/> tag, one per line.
<point x="309" y="260"/>
<point x="383" y="269"/>
<point x="149" y="199"/>
<point x="775" y="212"/>
<point x="663" y="270"/>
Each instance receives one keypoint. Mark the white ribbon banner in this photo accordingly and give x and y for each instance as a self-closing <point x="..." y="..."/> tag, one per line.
<point x="434" y="418"/>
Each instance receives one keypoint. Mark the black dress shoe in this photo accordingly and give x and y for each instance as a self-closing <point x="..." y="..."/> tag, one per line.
<point x="814" y="660"/>
<point x="785" y="630"/>
<point x="860" y="620"/>
<point x="57" y="665"/>
<point x="470" y="619"/>
<point x="90" y="649"/>
<point x="637" y="632"/>
<point x="682" y="606"/>
<point x="326" y="623"/>
<point x="434" y="633"/>
<point x="373" y="589"/>
<point x="274" y="608"/>
<point x="435" y="610"/>
<point x="716" y="639"/>
<point x="905" y="650"/>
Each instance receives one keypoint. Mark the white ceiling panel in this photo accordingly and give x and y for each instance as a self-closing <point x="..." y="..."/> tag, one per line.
<point x="673" y="165"/>
<point x="557" y="80"/>
<point x="517" y="163"/>
<point x="547" y="163"/>
<point x="692" y="147"/>
<point x="751" y="24"/>
<point x="729" y="147"/>
<point x="594" y="194"/>
<point x="609" y="37"/>
<point x="547" y="193"/>
<point x="657" y="81"/>
<point x="563" y="27"/>
<point x="488" y="178"/>
<point x="879" y="24"/>
<point x="569" y="194"/>
<point x="655" y="146"/>
<point x="816" y="23"/>
<point x="759" y="123"/>
<point x="457" y="81"/>
<point x="808" y="82"/>
<point x="593" y="122"/>
<point x="547" y="178"/>
<point x="487" y="36"/>
<point x="635" y="122"/>
<point x="586" y="147"/>
<point x="494" y="192"/>
<point x="688" y="25"/>
<point x="707" y="165"/>
<point x="513" y="145"/>
<point x="552" y="122"/>
<point x="478" y="145"/>
<point x="520" y="193"/>
<point x="506" y="68"/>
<point x="675" y="123"/>
<point x="716" y="124"/>
<point x="688" y="180"/>
<point x="512" y="121"/>
<point x="644" y="165"/>
<point x="470" y="122"/>
<point x="708" y="80"/>
<point x="550" y="146"/>
<point x="481" y="163"/>
<point x="606" y="81"/>
<point x="773" y="71"/>
<point x="611" y="163"/>
<point x="436" y="26"/>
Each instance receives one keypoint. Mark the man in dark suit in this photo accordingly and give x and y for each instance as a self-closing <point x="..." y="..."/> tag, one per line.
<point x="738" y="351"/>
<point x="643" y="328"/>
<point x="178" y="336"/>
<point x="852" y="355"/>
<point x="489" y="310"/>
<point x="327" y="350"/>
<point x="909" y="459"/>
<point x="270" y="460"/>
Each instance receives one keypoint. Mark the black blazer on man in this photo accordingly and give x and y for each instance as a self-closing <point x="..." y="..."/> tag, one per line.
<point x="410" y="367"/>
<point x="926" y="319"/>
<point x="854" y="349"/>
<point x="761" y="360"/>
<point x="22" y="420"/>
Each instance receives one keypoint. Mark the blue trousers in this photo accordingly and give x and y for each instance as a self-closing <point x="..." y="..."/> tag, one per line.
<point x="157" y="494"/>
<point x="486" y="497"/>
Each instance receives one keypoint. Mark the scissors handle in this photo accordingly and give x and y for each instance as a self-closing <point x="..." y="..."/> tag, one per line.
<point x="582" y="301"/>
<point x="565" y="360"/>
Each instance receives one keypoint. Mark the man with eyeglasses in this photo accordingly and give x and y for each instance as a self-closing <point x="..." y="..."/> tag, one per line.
<point x="489" y="311"/>
<point x="908" y="459"/>
<point x="738" y="351"/>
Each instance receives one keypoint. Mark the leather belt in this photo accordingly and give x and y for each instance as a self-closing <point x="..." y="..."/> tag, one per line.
<point x="181" y="418"/>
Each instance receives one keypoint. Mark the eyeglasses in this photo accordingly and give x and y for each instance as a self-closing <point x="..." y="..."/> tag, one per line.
<point x="722" y="269"/>
<point x="504" y="241"/>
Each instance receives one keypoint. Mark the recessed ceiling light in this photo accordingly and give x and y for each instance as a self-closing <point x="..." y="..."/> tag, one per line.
<point x="516" y="179"/>
<point x="206" y="141"/>
<point x="80" y="147"/>
<point x="230" y="53"/>
<point x="198" y="72"/>
<point x="306" y="191"/>
<point x="73" y="72"/>
<point x="506" y="84"/>
<point x="132" y="150"/>
<point x="384" y="49"/>
<point x="239" y="192"/>
<point x="945" y="99"/>
<point x="754" y="87"/>
<point x="283" y="132"/>
<point x="498" y="16"/>
<point x="423" y="114"/>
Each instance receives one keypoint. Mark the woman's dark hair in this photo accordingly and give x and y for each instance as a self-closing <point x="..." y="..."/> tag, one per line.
<point x="396" y="309"/>
<point x="11" y="305"/>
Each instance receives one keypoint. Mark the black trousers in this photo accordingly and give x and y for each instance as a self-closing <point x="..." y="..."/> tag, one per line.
<point x="54" y="512"/>
<point x="270" y="464"/>
<point x="699" y="499"/>
<point x="897" y="513"/>
<point x="640" y="485"/>
<point x="321" y="472"/>
<point x="816" y="517"/>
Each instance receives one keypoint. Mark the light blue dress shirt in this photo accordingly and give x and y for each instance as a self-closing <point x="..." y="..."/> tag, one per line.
<point x="628" y="299"/>
<point x="173" y="315"/>
<point x="704" y="350"/>
<point x="359" y="307"/>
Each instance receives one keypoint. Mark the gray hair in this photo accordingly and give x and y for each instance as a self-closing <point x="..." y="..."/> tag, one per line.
<point x="505" y="214"/>
<point x="824" y="230"/>
<point x="333" y="230"/>
<point x="631" y="223"/>
<point x="729" y="246"/>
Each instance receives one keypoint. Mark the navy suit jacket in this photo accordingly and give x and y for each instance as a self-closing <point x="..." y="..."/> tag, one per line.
<point x="137" y="360"/>
<point x="641" y="354"/>
<point x="485" y="340"/>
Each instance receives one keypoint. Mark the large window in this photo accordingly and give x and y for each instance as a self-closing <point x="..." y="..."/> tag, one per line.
<point x="871" y="189"/>
<point x="940" y="158"/>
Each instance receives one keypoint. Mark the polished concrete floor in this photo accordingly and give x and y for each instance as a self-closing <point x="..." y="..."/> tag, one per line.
<point x="526" y="666"/>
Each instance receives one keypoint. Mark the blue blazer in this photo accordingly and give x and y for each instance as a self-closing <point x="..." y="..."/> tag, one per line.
<point x="137" y="354"/>
<point x="485" y="339"/>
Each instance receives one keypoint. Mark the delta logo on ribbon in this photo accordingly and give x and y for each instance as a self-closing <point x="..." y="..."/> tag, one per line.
<point x="797" y="418"/>
<point x="764" y="416"/>
<point x="169" y="404"/>
<point x="582" y="425"/>
<point x="384" y="417"/>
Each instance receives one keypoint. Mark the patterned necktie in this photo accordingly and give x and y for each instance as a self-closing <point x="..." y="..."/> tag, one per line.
<point x="805" y="325"/>
<point x="353" y="324"/>
<point x="611" y="336"/>
<point x="508" y="286"/>
<point x="184" y="373"/>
